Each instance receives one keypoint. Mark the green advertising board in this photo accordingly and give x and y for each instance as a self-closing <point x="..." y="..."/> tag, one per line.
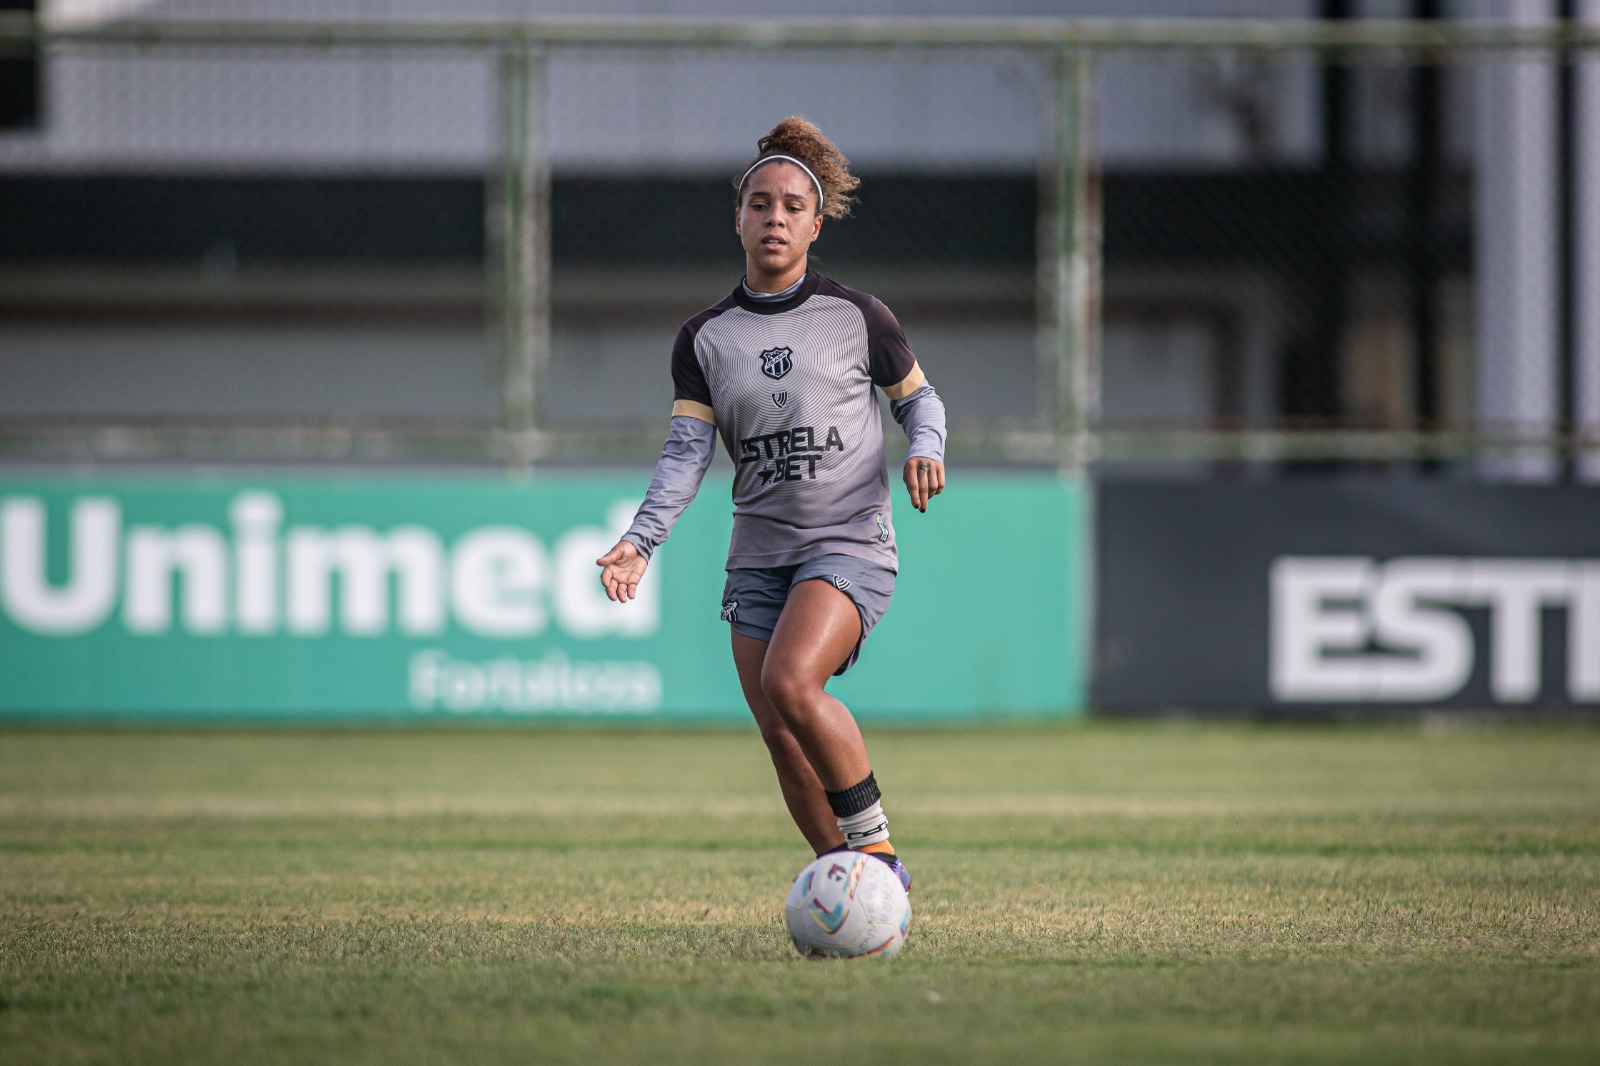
<point x="337" y="598"/>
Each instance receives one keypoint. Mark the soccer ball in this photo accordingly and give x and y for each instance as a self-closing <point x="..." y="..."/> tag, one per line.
<point x="847" y="905"/>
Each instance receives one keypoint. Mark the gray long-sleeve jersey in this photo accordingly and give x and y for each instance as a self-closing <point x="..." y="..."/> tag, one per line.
<point x="789" y="386"/>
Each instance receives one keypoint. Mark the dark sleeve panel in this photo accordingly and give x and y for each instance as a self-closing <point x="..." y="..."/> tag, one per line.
<point x="688" y="378"/>
<point x="889" y="355"/>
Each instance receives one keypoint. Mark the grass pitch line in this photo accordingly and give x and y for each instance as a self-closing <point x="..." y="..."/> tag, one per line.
<point x="1096" y="894"/>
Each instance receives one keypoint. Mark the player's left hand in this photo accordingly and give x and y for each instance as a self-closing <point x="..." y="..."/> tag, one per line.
<point x="924" y="480"/>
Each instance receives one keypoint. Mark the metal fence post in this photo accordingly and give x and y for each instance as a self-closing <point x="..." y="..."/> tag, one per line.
<point x="1049" y="231"/>
<point x="1076" y="249"/>
<point x="524" y="211"/>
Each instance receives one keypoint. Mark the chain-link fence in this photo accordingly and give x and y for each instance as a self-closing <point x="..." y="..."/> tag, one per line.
<point x="1395" y="259"/>
<point x="1163" y="241"/>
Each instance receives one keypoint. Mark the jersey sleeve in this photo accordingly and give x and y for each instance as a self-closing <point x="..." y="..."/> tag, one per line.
<point x="685" y="458"/>
<point x="892" y="365"/>
<point x="691" y="393"/>
<point x="921" y="415"/>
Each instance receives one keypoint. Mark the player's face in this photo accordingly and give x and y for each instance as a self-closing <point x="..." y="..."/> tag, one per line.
<point x="777" y="220"/>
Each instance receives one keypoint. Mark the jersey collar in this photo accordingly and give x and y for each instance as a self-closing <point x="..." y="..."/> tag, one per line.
<point x="808" y="288"/>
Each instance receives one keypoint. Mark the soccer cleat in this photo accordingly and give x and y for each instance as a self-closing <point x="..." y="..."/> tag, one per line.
<point x="889" y="859"/>
<point x="896" y="865"/>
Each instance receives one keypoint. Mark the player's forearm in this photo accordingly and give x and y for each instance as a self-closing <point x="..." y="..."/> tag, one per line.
<point x="685" y="458"/>
<point x="922" y="416"/>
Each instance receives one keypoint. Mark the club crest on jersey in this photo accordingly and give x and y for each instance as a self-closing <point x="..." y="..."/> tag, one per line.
<point x="776" y="362"/>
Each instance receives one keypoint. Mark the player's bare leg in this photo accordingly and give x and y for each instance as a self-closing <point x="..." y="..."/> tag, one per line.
<point x="816" y="632"/>
<point x="802" y="791"/>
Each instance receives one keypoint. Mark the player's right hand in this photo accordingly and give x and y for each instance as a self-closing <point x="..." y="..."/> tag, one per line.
<point x="621" y="569"/>
<point x="924" y="479"/>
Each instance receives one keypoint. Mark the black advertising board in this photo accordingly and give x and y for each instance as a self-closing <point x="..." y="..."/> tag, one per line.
<point x="1320" y="593"/>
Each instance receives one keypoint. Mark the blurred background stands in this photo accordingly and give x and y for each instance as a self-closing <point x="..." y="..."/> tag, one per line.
<point x="290" y="231"/>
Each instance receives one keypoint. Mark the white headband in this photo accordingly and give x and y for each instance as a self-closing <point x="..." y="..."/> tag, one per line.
<point x="786" y="159"/>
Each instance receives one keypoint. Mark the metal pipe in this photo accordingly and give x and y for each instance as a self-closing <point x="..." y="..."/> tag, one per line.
<point x="1586" y="251"/>
<point x="1049" y="379"/>
<point x="1516" y="191"/>
<point x="524" y="259"/>
<point x="1068" y="71"/>
<point x="1077" y="256"/>
<point x="393" y="441"/>
<point x="899" y="32"/>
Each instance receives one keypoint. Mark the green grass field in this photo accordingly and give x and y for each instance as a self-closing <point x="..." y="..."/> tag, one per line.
<point x="1099" y="893"/>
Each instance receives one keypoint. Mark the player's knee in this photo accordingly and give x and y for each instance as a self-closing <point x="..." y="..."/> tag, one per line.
<point x="790" y="695"/>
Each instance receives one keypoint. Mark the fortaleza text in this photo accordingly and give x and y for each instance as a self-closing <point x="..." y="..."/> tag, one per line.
<point x="548" y="685"/>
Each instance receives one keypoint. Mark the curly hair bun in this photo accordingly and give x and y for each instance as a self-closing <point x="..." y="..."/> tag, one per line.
<point x="800" y="138"/>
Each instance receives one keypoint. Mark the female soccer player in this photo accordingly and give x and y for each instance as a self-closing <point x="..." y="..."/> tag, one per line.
<point x="783" y="368"/>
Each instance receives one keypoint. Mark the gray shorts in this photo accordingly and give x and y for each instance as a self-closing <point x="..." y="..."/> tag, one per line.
<point x="752" y="600"/>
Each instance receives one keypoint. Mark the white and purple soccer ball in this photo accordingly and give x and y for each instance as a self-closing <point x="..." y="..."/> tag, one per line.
<point x="847" y="905"/>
